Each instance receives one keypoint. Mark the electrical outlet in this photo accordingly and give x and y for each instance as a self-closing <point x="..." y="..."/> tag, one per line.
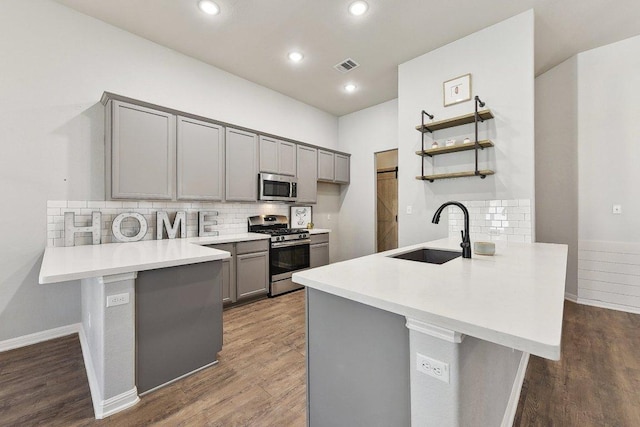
<point x="432" y="367"/>
<point x="409" y="210"/>
<point x="328" y="217"/>
<point x="118" y="299"/>
<point x="616" y="209"/>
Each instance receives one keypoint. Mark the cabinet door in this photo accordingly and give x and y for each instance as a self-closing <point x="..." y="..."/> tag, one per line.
<point x="241" y="166"/>
<point x="252" y="275"/>
<point x="342" y="168"/>
<point x="228" y="273"/>
<point x="286" y="158"/>
<point x="200" y="160"/>
<point x="268" y="155"/>
<point x="307" y="174"/>
<point x="319" y="255"/>
<point x="325" y="166"/>
<point x="142" y="153"/>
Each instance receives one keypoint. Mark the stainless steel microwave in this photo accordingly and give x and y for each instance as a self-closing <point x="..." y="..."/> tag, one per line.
<point x="279" y="188"/>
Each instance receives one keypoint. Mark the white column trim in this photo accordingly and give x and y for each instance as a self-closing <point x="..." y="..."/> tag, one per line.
<point x="434" y="331"/>
<point x="118" y="403"/>
<point x="514" y="397"/>
<point x="103" y="280"/>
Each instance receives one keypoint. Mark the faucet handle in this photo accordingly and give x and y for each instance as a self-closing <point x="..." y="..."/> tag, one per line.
<point x="465" y="241"/>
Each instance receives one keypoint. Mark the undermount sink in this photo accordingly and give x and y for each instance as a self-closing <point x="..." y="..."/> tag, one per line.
<point x="430" y="256"/>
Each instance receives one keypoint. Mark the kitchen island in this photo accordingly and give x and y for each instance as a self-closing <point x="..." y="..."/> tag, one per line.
<point x="400" y="342"/>
<point x="151" y="311"/>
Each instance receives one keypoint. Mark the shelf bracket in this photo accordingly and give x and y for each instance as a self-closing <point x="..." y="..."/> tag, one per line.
<point x="424" y="113"/>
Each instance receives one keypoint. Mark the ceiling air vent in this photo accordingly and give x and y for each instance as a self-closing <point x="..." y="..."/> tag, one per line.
<point x="346" y="65"/>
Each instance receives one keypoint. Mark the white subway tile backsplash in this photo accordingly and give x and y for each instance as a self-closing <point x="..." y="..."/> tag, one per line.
<point x="494" y="220"/>
<point x="232" y="217"/>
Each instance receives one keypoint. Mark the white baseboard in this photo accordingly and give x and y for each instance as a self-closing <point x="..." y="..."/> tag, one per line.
<point x="571" y="297"/>
<point x="37" y="337"/>
<point x="514" y="397"/>
<point x="104" y="408"/>
<point x="608" y="305"/>
<point x="118" y="403"/>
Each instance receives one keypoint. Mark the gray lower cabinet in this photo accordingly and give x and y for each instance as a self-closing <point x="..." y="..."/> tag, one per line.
<point x="200" y="167"/>
<point x="140" y="152"/>
<point x="342" y="166"/>
<point x="319" y="250"/>
<point x="178" y="322"/>
<point x="252" y="274"/>
<point x="307" y="174"/>
<point x="241" y="165"/>
<point x="228" y="273"/>
<point x="246" y="273"/>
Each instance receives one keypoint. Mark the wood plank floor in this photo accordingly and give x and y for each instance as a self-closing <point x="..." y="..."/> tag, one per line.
<point x="260" y="380"/>
<point x="597" y="380"/>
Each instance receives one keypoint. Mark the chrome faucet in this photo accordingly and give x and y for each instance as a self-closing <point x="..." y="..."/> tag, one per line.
<point x="466" y="242"/>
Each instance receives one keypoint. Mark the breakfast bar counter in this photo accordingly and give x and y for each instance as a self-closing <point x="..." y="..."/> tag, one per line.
<point x="430" y="344"/>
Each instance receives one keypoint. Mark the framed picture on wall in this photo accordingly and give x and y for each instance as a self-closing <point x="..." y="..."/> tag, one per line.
<point x="457" y="90"/>
<point x="300" y="216"/>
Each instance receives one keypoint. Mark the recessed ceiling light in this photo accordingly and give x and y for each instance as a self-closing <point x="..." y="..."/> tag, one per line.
<point x="209" y="7"/>
<point x="358" y="8"/>
<point x="350" y="87"/>
<point x="295" y="56"/>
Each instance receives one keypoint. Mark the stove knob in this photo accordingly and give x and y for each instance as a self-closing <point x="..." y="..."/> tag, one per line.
<point x="301" y="236"/>
<point x="281" y="238"/>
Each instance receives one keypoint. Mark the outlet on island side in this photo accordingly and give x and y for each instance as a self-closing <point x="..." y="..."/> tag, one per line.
<point x="432" y="367"/>
<point x="118" y="299"/>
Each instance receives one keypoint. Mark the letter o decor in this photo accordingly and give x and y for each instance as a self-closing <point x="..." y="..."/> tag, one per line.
<point x="117" y="223"/>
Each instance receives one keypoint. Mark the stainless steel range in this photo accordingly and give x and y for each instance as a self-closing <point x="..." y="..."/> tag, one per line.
<point x="289" y="251"/>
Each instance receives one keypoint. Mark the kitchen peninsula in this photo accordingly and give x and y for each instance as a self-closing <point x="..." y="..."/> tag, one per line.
<point x="399" y="342"/>
<point x="145" y="307"/>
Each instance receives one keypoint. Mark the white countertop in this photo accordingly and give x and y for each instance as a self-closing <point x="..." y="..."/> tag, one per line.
<point x="514" y="298"/>
<point x="61" y="264"/>
<point x="319" y="230"/>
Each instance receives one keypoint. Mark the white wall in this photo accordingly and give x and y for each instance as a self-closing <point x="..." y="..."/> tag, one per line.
<point x="55" y="65"/>
<point x="362" y="134"/>
<point x="557" y="162"/>
<point x="609" y="150"/>
<point x="500" y="60"/>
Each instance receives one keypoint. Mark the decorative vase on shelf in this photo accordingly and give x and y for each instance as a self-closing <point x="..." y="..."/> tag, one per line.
<point x="450" y="142"/>
<point x="435" y="144"/>
<point x="467" y="141"/>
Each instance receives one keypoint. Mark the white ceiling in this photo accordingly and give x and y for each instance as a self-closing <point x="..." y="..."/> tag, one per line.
<point x="251" y="38"/>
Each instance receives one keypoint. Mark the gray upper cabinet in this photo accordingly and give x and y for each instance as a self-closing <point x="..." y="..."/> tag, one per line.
<point x="342" y="165"/>
<point x="241" y="165"/>
<point x="307" y="174"/>
<point x="277" y="156"/>
<point x="268" y="155"/>
<point x="325" y="166"/>
<point x="200" y="165"/>
<point x="140" y="152"/>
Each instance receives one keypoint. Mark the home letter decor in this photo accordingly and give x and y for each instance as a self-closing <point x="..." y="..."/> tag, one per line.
<point x="203" y="223"/>
<point x="70" y="228"/>
<point x="117" y="222"/>
<point x="162" y="222"/>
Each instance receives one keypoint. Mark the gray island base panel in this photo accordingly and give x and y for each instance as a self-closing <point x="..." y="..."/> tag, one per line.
<point x="178" y="322"/>
<point x="359" y="361"/>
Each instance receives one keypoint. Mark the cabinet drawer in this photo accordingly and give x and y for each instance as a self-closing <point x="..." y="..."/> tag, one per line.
<point x="252" y="246"/>
<point x="319" y="238"/>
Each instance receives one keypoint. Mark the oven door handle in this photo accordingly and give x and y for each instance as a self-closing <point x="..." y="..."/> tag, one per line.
<point x="290" y="243"/>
